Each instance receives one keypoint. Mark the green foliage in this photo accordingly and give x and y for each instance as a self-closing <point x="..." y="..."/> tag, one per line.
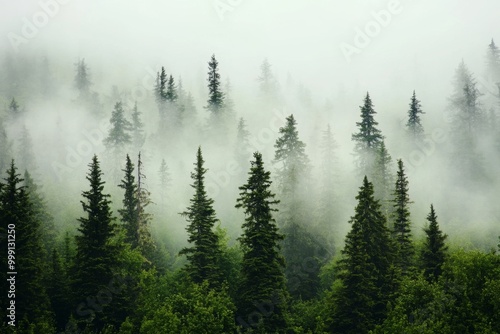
<point x="204" y="254"/>
<point x="119" y="135"/>
<point x="414" y="125"/>
<point x="360" y="300"/>
<point x="367" y="139"/>
<point x="215" y="102"/>
<point x="434" y="251"/>
<point x="263" y="279"/>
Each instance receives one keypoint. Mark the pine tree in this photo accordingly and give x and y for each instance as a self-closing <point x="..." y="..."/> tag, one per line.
<point x="14" y="109"/>
<point x="165" y="179"/>
<point x="493" y="62"/>
<point x="367" y="139"/>
<point x="383" y="178"/>
<point x="31" y="300"/>
<point x="204" y="254"/>
<point x="414" y="126"/>
<point x="137" y="129"/>
<point x="146" y="243"/>
<point x="82" y="78"/>
<point x="59" y="291"/>
<point x="267" y="83"/>
<point x="402" y="225"/>
<point x="242" y="153"/>
<point x="215" y="103"/>
<point x="263" y="280"/>
<point x="360" y="301"/>
<point x="161" y="99"/>
<point x="119" y="135"/>
<point x="129" y="213"/>
<point x="41" y="214"/>
<point x="96" y="256"/>
<point x="171" y="92"/>
<point x="434" y="251"/>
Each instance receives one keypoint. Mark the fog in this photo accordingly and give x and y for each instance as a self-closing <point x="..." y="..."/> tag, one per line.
<point x="325" y="56"/>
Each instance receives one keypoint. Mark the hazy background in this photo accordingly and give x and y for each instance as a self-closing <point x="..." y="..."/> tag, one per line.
<point x="125" y="43"/>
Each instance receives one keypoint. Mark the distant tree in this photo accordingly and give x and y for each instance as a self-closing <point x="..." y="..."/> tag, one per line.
<point x="165" y="179"/>
<point x="82" y="78"/>
<point x="26" y="156"/>
<point x="367" y="139"/>
<point x="146" y="243"/>
<point x="434" y="251"/>
<point x="493" y="62"/>
<point x="186" y="105"/>
<point x="242" y="146"/>
<point x="383" y="179"/>
<point x="14" y="109"/>
<point x="215" y="103"/>
<point x="5" y="148"/>
<point x="16" y="212"/>
<point x="414" y="125"/>
<point x="359" y="300"/>
<point x="204" y="253"/>
<point x="96" y="255"/>
<point x="137" y="129"/>
<point x="263" y="279"/>
<point x="161" y="99"/>
<point x="130" y="213"/>
<point x="171" y="92"/>
<point x="267" y="83"/>
<point x="402" y="225"/>
<point x="119" y="134"/>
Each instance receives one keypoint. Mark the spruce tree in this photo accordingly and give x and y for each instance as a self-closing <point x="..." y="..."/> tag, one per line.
<point x="367" y="139"/>
<point x="263" y="279"/>
<point x="16" y="210"/>
<point x="267" y="83"/>
<point x="359" y="303"/>
<point x="242" y="153"/>
<point x="401" y="219"/>
<point x="493" y="62"/>
<point x="434" y="252"/>
<point x="130" y="213"/>
<point x="204" y="253"/>
<point x="119" y="135"/>
<point x="146" y="243"/>
<point x="171" y="91"/>
<point x="58" y="289"/>
<point x="137" y="129"/>
<point x="383" y="179"/>
<point x="82" y="78"/>
<point x="165" y="179"/>
<point x="14" y="109"/>
<point x="96" y="256"/>
<point x="215" y="103"/>
<point x="414" y="125"/>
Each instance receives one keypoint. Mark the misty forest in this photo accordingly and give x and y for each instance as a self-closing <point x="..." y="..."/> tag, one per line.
<point x="237" y="195"/>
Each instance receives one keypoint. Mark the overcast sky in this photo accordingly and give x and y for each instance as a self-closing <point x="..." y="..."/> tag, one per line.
<point x="424" y="38"/>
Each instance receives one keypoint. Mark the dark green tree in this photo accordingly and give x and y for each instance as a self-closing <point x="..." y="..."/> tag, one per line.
<point x="58" y="289"/>
<point x="204" y="253"/>
<point x="31" y="301"/>
<point x="130" y="213"/>
<point x="215" y="103"/>
<point x="367" y="140"/>
<point x="434" y="252"/>
<point x="414" y="125"/>
<point x="171" y="92"/>
<point x="401" y="222"/>
<point x="263" y="279"/>
<point x="360" y="297"/>
<point x="96" y="255"/>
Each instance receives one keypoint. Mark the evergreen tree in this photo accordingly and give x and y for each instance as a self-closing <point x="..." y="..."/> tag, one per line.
<point x="267" y="83"/>
<point x="493" y="62"/>
<point x="215" y="103"/>
<point x="130" y="213"/>
<point x="27" y="160"/>
<point x="31" y="301"/>
<point x="5" y="148"/>
<point x="165" y="179"/>
<point x="383" y="178"/>
<point x="242" y="145"/>
<point x="41" y="214"/>
<point x="59" y="291"/>
<point x="145" y="243"/>
<point x="204" y="254"/>
<point x="137" y="129"/>
<point x="414" y="126"/>
<point x="367" y="139"/>
<point x="82" y="78"/>
<point x="96" y="256"/>
<point x="402" y="225"/>
<point x="171" y="92"/>
<point x="434" y="251"/>
<point x="263" y="280"/>
<point x="14" y="109"/>
<point x="186" y="105"/>
<point x="359" y="302"/>
<point x="161" y="99"/>
<point x="119" y="135"/>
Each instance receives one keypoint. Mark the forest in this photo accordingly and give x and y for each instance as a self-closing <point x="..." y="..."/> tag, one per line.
<point x="166" y="205"/>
